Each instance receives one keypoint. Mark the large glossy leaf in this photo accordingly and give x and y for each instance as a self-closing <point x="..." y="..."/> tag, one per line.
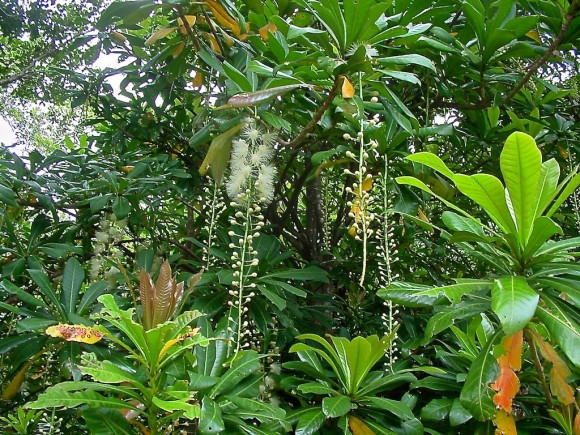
<point x="72" y="279"/>
<point x="106" y="421"/>
<point x="520" y="163"/>
<point x="563" y="329"/>
<point x="409" y="295"/>
<point x="476" y="395"/>
<point x="449" y="315"/>
<point x="564" y="194"/>
<point x="406" y="59"/>
<point x="245" y="363"/>
<point x="310" y="421"/>
<point x="336" y="406"/>
<point x="488" y="192"/>
<point x="393" y="406"/>
<point x="218" y="154"/>
<point x="454" y="292"/>
<point x="514" y="302"/>
<point x="433" y="161"/>
<point x="547" y="185"/>
<point x="543" y="229"/>
<point x="59" y="397"/>
<point x="45" y="287"/>
<point x="211" y="417"/>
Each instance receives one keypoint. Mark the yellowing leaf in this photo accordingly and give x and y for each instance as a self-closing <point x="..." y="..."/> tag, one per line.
<point x="118" y="37"/>
<point x="223" y="17"/>
<point x="563" y="152"/>
<point x="127" y="169"/>
<point x="352" y="231"/>
<point x="78" y="333"/>
<point x="347" y="88"/>
<point x="358" y="427"/>
<point x="218" y="154"/>
<point x="172" y="342"/>
<point x="197" y="80"/>
<point x="533" y="34"/>
<point x="507" y="386"/>
<point x="190" y="20"/>
<point x="213" y="43"/>
<point x="422" y="215"/>
<point x="505" y="424"/>
<point x="159" y="34"/>
<point x="14" y="386"/>
<point x="177" y="50"/>
<point x="367" y="185"/>
<point x="267" y="28"/>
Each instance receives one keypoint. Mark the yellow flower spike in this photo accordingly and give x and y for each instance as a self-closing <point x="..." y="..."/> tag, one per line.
<point x="78" y="333"/>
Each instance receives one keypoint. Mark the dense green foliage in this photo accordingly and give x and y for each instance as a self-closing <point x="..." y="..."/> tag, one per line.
<point x="370" y="207"/>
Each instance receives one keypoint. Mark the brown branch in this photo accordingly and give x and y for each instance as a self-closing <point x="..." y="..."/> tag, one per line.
<point x="317" y="116"/>
<point x="541" y="61"/>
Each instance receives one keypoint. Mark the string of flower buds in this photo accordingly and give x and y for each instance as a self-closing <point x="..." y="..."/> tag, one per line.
<point x="250" y="185"/>
<point x="217" y="205"/>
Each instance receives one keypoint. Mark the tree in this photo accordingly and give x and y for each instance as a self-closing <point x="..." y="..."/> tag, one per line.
<point x="261" y="141"/>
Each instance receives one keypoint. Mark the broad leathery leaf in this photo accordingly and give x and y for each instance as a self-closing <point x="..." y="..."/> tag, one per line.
<point x="72" y="279"/>
<point x="409" y="295"/>
<point x="563" y="329"/>
<point x="520" y="163"/>
<point x="190" y="21"/>
<point x="336" y="406"/>
<point x="330" y="14"/>
<point x="511" y="351"/>
<point x="454" y="292"/>
<point x="45" y="287"/>
<point x="251" y="99"/>
<point x="476" y="395"/>
<point x="487" y="192"/>
<point x="544" y="228"/>
<point x="309" y="422"/>
<point x="190" y="410"/>
<point x="358" y="427"/>
<point x="449" y="315"/>
<point x="245" y="363"/>
<point x="406" y="59"/>
<point x="59" y="397"/>
<point x="505" y="423"/>
<point x="395" y="407"/>
<point x="106" y="421"/>
<point x="564" y="194"/>
<point x="106" y="371"/>
<point x="433" y="161"/>
<point x="514" y="302"/>
<point x="547" y="185"/>
<point x="211" y="420"/>
<point x="436" y="410"/>
<point x="159" y="34"/>
<point x="218" y="154"/>
<point x="78" y="333"/>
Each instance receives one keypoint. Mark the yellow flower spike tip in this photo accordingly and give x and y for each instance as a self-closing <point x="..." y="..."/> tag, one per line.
<point x="78" y="333"/>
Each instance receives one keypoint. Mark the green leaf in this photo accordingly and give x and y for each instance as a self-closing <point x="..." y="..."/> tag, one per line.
<point x="475" y="13"/>
<point x="449" y="315"/>
<point x="544" y="228"/>
<point x="190" y="410"/>
<point x="309" y="422"/>
<point x="436" y="410"/>
<point x="58" y="397"/>
<point x="106" y="421"/>
<point x="91" y="294"/>
<point x="406" y="59"/>
<point x="310" y="273"/>
<point x="454" y="292"/>
<point x="562" y="327"/>
<point x="316" y="388"/>
<point x="7" y="196"/>
<point x="393" y="406"/>
<point x="336" y="406"/>
<point x="488" y="192"/>
<point x="458" y="414"/>
<point x="566" y="192"/>
<point x="514" y="302"/>
<point x="237" y="77"/>
<point x="72" y="279"/>
<point x="245" y="363"/>
<point x="433" y="161"/>
<point x="329" y="12"/>
<point x="520" y="163"/>
<point x="211" y="417"/>
<point x="547" y="185"/>
<point x="45" y="287"/>
<point x="476" y="395"/>
<point x="121" y="207"/>
<point x="23" y="295"/>
<point x="409" y="295"/>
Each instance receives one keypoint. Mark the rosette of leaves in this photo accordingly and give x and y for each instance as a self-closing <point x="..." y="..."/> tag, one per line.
<point x="138" y="385"/>
<point x="533" y="279"/>
<point x="338" y="390"/>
